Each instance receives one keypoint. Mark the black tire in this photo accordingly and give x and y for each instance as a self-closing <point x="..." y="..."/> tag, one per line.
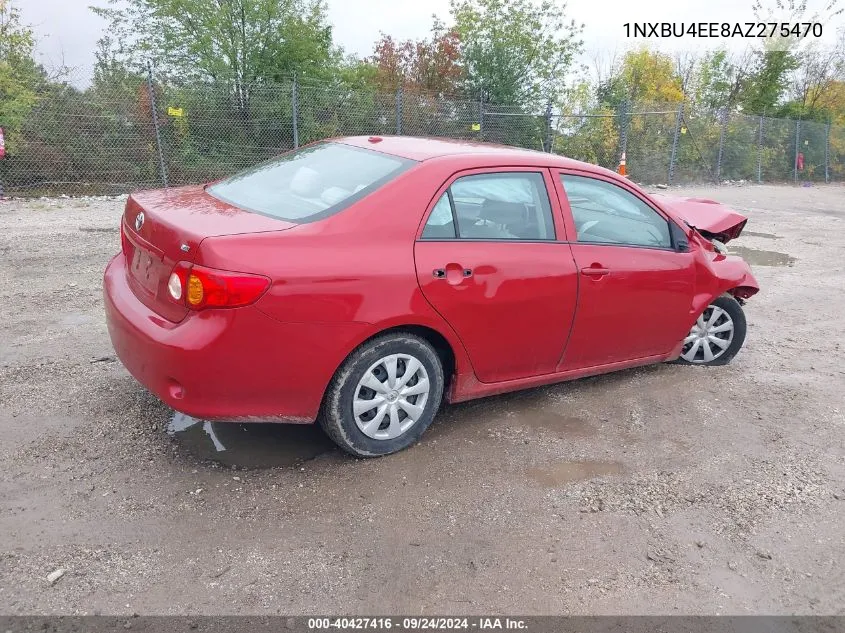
<point x="737" y="315"/>
<point x="336" y="415"/>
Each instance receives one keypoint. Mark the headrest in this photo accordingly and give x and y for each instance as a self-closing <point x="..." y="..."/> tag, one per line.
<point x="503" y="212"/>
<point x="306" y="182"/>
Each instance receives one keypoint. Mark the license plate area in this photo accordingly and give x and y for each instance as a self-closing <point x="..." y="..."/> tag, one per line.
<point x="145" y="269"/>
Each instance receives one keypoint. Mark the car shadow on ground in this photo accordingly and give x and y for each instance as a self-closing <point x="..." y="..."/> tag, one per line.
<point x="269" y="445"/>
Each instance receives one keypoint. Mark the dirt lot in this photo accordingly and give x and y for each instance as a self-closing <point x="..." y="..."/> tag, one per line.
<point x="660" y="490"/>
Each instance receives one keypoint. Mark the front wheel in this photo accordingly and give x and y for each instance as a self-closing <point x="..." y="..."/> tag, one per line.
<point x="717" y="335"/>
<point x="384" y="396"/>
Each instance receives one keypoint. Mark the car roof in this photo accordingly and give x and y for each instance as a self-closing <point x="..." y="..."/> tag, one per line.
<point x="422" y="149"/>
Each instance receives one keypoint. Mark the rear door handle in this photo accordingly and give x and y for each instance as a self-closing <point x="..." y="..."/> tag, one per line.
<point x="452" y="272"/>
<point x="595" y="271"/>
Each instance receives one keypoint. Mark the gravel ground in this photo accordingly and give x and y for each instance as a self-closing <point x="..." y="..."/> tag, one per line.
<point x="659" y="490"/>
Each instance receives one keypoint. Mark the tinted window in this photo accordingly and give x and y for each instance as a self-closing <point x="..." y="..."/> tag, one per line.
<point x="311" y="183"/>
<point x="608" y="214"/>
<point x="500" y="206"/>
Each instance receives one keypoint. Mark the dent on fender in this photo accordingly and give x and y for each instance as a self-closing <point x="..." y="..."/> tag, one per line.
<point x="725" y="273"/>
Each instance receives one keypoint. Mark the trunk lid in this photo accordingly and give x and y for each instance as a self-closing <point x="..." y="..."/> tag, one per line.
<point x="708" y="217"/>
<point x="165" y="227"/>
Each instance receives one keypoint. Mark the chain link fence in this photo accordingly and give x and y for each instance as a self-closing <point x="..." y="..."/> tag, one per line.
<point x="140" y="133"/>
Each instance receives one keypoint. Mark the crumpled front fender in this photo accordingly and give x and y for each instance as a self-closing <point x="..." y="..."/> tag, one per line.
<point x="721" y="274"/>
<point x="736" y="275"/>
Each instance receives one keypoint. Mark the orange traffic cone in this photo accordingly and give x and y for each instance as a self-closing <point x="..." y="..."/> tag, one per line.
<point x="621" y="169"/>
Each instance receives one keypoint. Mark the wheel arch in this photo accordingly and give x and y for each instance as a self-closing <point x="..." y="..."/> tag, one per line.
<point x="442" y="338"/>
<point x="439" y="342"/>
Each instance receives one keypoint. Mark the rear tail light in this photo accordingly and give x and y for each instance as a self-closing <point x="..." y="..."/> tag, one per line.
<point x="199" y="287"/>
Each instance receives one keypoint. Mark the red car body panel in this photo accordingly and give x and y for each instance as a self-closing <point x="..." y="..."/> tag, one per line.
<point x="660" y="284"/>
<point x="522" y="298"/>
<point x="236" y="364"/>
<point x="522" y="295"/>
<point x="613" y="279"/>
<point x="176" y="221"/>
<point x="531" y="313"/>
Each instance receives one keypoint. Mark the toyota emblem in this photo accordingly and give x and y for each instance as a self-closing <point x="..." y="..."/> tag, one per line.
<point x="139" y="221"/>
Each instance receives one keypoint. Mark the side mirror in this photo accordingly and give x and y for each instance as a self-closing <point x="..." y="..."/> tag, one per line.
<point x="679" y="238"/>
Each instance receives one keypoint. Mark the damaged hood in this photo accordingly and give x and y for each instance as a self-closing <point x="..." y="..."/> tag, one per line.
<point x="710" y="218"/>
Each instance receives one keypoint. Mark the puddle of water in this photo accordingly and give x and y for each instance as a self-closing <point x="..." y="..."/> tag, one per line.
<point x="528" y="409"/>
<point x="549" y="421"/>
<point x="249" y="445"/>
<point x="566" y="472"/>
<point x="768" y="236"/>
<point x="757" y="257"/>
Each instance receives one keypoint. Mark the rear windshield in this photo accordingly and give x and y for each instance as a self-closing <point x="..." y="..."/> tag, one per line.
<point x="311" y="183"/>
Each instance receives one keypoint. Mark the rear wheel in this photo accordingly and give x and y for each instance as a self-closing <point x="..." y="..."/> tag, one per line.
<point x="384" y="396"/>
<point x="717" y="335"/>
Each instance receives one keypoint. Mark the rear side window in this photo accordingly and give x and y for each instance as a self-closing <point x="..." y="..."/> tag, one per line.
<point x="310" y="184"/>
<point x="441" y="223"/>
<point x="495" y="206"/>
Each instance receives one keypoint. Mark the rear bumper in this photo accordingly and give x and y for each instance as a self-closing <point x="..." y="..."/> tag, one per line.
<point x="233" y="365"/>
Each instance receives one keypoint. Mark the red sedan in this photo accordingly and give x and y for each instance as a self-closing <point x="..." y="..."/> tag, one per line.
<point x="361" y="281"/>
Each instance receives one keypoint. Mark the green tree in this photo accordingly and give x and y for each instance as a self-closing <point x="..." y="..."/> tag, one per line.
<point x="240" y="43"/>
<point x="20" y="77"/>
<point x="781" y="57"/>
<point x="719" y="80"/>
<point x="515" y="52"/>
<point x="768" y="80"/>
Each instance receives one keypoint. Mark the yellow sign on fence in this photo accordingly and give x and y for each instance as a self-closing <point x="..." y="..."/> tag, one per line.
<point x="476" y="127"/>
<point x="175" y="112"/>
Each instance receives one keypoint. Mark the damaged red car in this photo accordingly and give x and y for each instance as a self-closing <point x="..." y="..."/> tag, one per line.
<point x="360" y="282"/>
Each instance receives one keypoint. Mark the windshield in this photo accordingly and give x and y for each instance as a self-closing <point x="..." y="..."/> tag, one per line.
<point x="311" y="183"/>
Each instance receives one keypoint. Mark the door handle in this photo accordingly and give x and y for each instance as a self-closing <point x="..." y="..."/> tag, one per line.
<point x="595" y="271"/>
<point x="451" y="272"/>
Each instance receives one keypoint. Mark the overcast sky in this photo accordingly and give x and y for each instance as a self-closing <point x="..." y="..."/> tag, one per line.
<point x="68" y="31"/>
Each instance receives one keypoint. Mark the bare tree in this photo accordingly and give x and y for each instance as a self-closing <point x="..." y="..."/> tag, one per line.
<point x="686" y="65"/>
<point x="604" y="65"/>
<point x="818" y="68"/>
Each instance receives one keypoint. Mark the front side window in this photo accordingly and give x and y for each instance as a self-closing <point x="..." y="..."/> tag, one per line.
<point x="311" y="183"/>
<point x="607" y="214"/>
<point x="496" y="206"/>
